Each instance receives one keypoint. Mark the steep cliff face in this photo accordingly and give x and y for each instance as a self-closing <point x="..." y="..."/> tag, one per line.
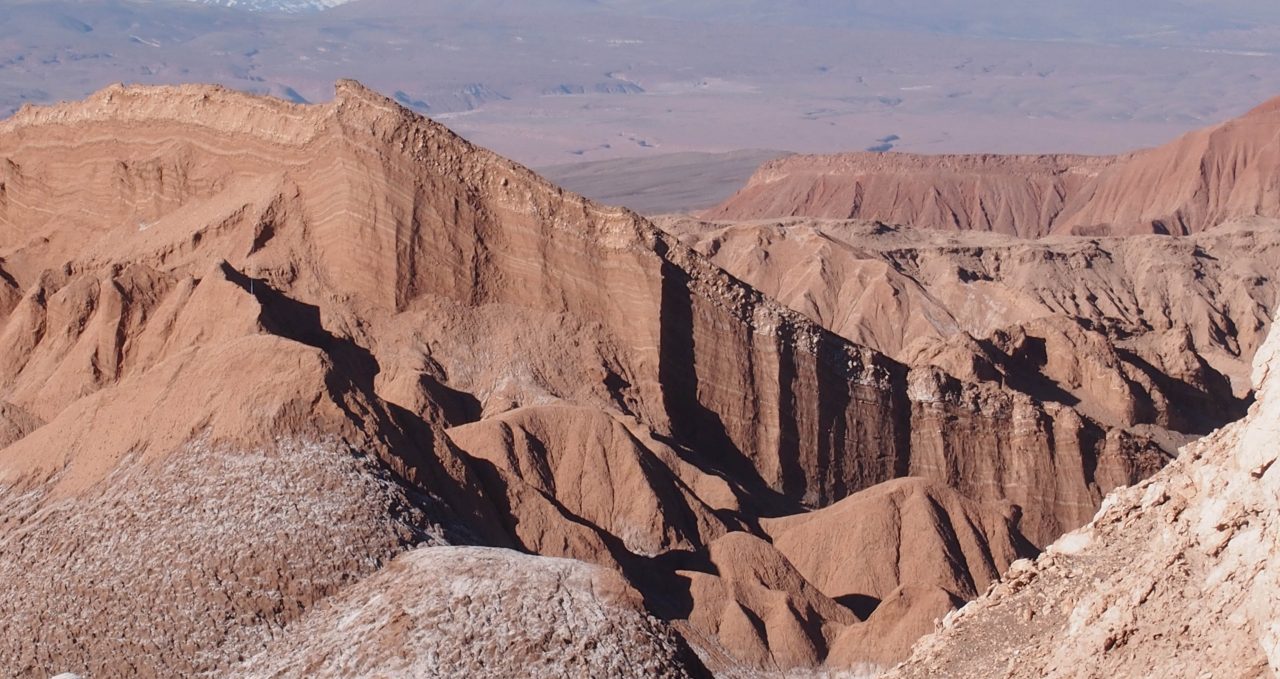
<point x="364" y="206"/>
<point x="199" y="278"/>
<point x="1192" y="184"/>
<point x="1172" y="577"/>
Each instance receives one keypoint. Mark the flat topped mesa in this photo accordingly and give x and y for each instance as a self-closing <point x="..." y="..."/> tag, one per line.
<point x="1198" y="181"/>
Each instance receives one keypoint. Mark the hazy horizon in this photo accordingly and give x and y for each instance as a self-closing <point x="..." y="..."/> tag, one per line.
<point x="564" y="80"/>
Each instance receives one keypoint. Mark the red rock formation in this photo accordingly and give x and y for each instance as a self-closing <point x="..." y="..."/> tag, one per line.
<point x="866" y="546"/>
<point x="440" y="347"/>
<point x="1022" y="195"/>
<point x="1194" y="183"/>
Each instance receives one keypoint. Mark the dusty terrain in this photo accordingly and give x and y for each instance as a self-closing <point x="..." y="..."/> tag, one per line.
<point x="471" y="611"/>
<point x="1196" y="182"/>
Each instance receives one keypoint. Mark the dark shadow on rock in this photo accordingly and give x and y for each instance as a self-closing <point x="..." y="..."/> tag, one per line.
<point x="1023" y="371"/>
<point x="456" y="407"/>
<point x="8" y="279"/>
<point x="411" y="441"/>
<point x="665" y="593"/>
<point x="794" y="480"/>
<point x="835" y="397"/>
<point x="1194" y="411"/>
<point x="698" y="431"/>
<point x="862" y="605"/>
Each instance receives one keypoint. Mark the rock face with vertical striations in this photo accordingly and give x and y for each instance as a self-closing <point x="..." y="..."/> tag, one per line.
<point x="251" y="352"/>
<point x="1194" y="183"/>
<point x="1150" y="334"/>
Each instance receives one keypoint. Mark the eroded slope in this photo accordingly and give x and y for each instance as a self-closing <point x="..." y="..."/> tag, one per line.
<point x="1172" y="577"/>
